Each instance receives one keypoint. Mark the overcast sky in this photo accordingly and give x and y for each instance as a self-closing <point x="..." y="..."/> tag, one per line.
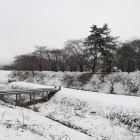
<point x="27" y="23"/>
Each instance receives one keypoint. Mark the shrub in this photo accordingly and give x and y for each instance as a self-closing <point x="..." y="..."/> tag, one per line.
<point x="84" y="78"/>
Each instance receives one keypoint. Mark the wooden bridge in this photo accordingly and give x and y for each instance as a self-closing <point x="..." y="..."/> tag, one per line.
<point x="44" y="93"/>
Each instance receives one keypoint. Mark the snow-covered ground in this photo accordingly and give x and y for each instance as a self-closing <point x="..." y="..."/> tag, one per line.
<point x="102" y="116"/>
<point x="4" y="78"/>
<point x="17" y="123"/>
<point x="89" y="115"/>
<point x="23" y="124"/>
<point x="115" y="83"/>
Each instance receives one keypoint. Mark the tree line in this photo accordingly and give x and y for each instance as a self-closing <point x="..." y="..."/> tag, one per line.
<point x="98" y="52"/>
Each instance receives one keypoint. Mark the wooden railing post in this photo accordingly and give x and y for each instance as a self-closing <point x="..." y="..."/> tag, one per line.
<point x="43" y="95"/>
<point x="47" y="96"/>
<point x="2" y="97"/>
<point x="30" y="97"/>
<point x="16" y="99"/>
<point x="34" y="97"/>
<point x="19" y="99"/>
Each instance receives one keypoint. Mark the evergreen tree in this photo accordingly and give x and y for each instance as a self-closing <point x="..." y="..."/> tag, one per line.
<point x="98" y="45"/>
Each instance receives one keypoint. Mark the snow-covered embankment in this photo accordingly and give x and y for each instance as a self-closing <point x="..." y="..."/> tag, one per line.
<point x="115" y="83"/>
<point x="99" y="115"/>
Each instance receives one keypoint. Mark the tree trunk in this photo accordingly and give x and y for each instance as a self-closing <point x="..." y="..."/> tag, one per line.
<point x="128" y="68"/>
<point x="71" y="69"/>
<point x="81" y="68"/>
<point x="139" y="65"/>
<point x="33" y="72"/>
<point x="55" y="69"/>
<point x="40" y="66"/>
<point x="93" y="68"/>
<point x="109" y="67"/>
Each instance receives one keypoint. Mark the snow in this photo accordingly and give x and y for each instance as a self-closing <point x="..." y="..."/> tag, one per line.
<point x="97" y="114"/>
<point x="4" y="76"/>
<point x="120" y="83"/>
<point x="25" y="85"/>
<point x="72" y="113"/>
<point x="17" y="123"/>
<point x="23" y="124"/>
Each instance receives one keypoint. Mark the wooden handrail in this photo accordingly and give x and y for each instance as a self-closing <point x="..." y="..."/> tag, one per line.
<point x="27" y="91"/>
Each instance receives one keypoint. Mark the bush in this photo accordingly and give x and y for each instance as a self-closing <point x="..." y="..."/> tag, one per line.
<point x="84" y="78"/>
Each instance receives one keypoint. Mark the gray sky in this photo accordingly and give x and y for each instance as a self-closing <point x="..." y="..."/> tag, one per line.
<point x="27" y="23"/>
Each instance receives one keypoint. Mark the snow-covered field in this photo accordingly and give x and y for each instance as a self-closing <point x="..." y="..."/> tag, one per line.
<point x="74" y="114"/>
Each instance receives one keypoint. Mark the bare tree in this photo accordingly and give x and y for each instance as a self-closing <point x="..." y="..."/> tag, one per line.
<point x="70" y="60"/>
<point x="76" y="49"/>
<point x="26" y="62"/>
<point x="126" y="61"/>
<point x="135" y="45"/>
<point x="39" y="53"/>
<point x="20" y="62"/>
<point x="62" y="60"/>
<point x="53" y="56"/>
